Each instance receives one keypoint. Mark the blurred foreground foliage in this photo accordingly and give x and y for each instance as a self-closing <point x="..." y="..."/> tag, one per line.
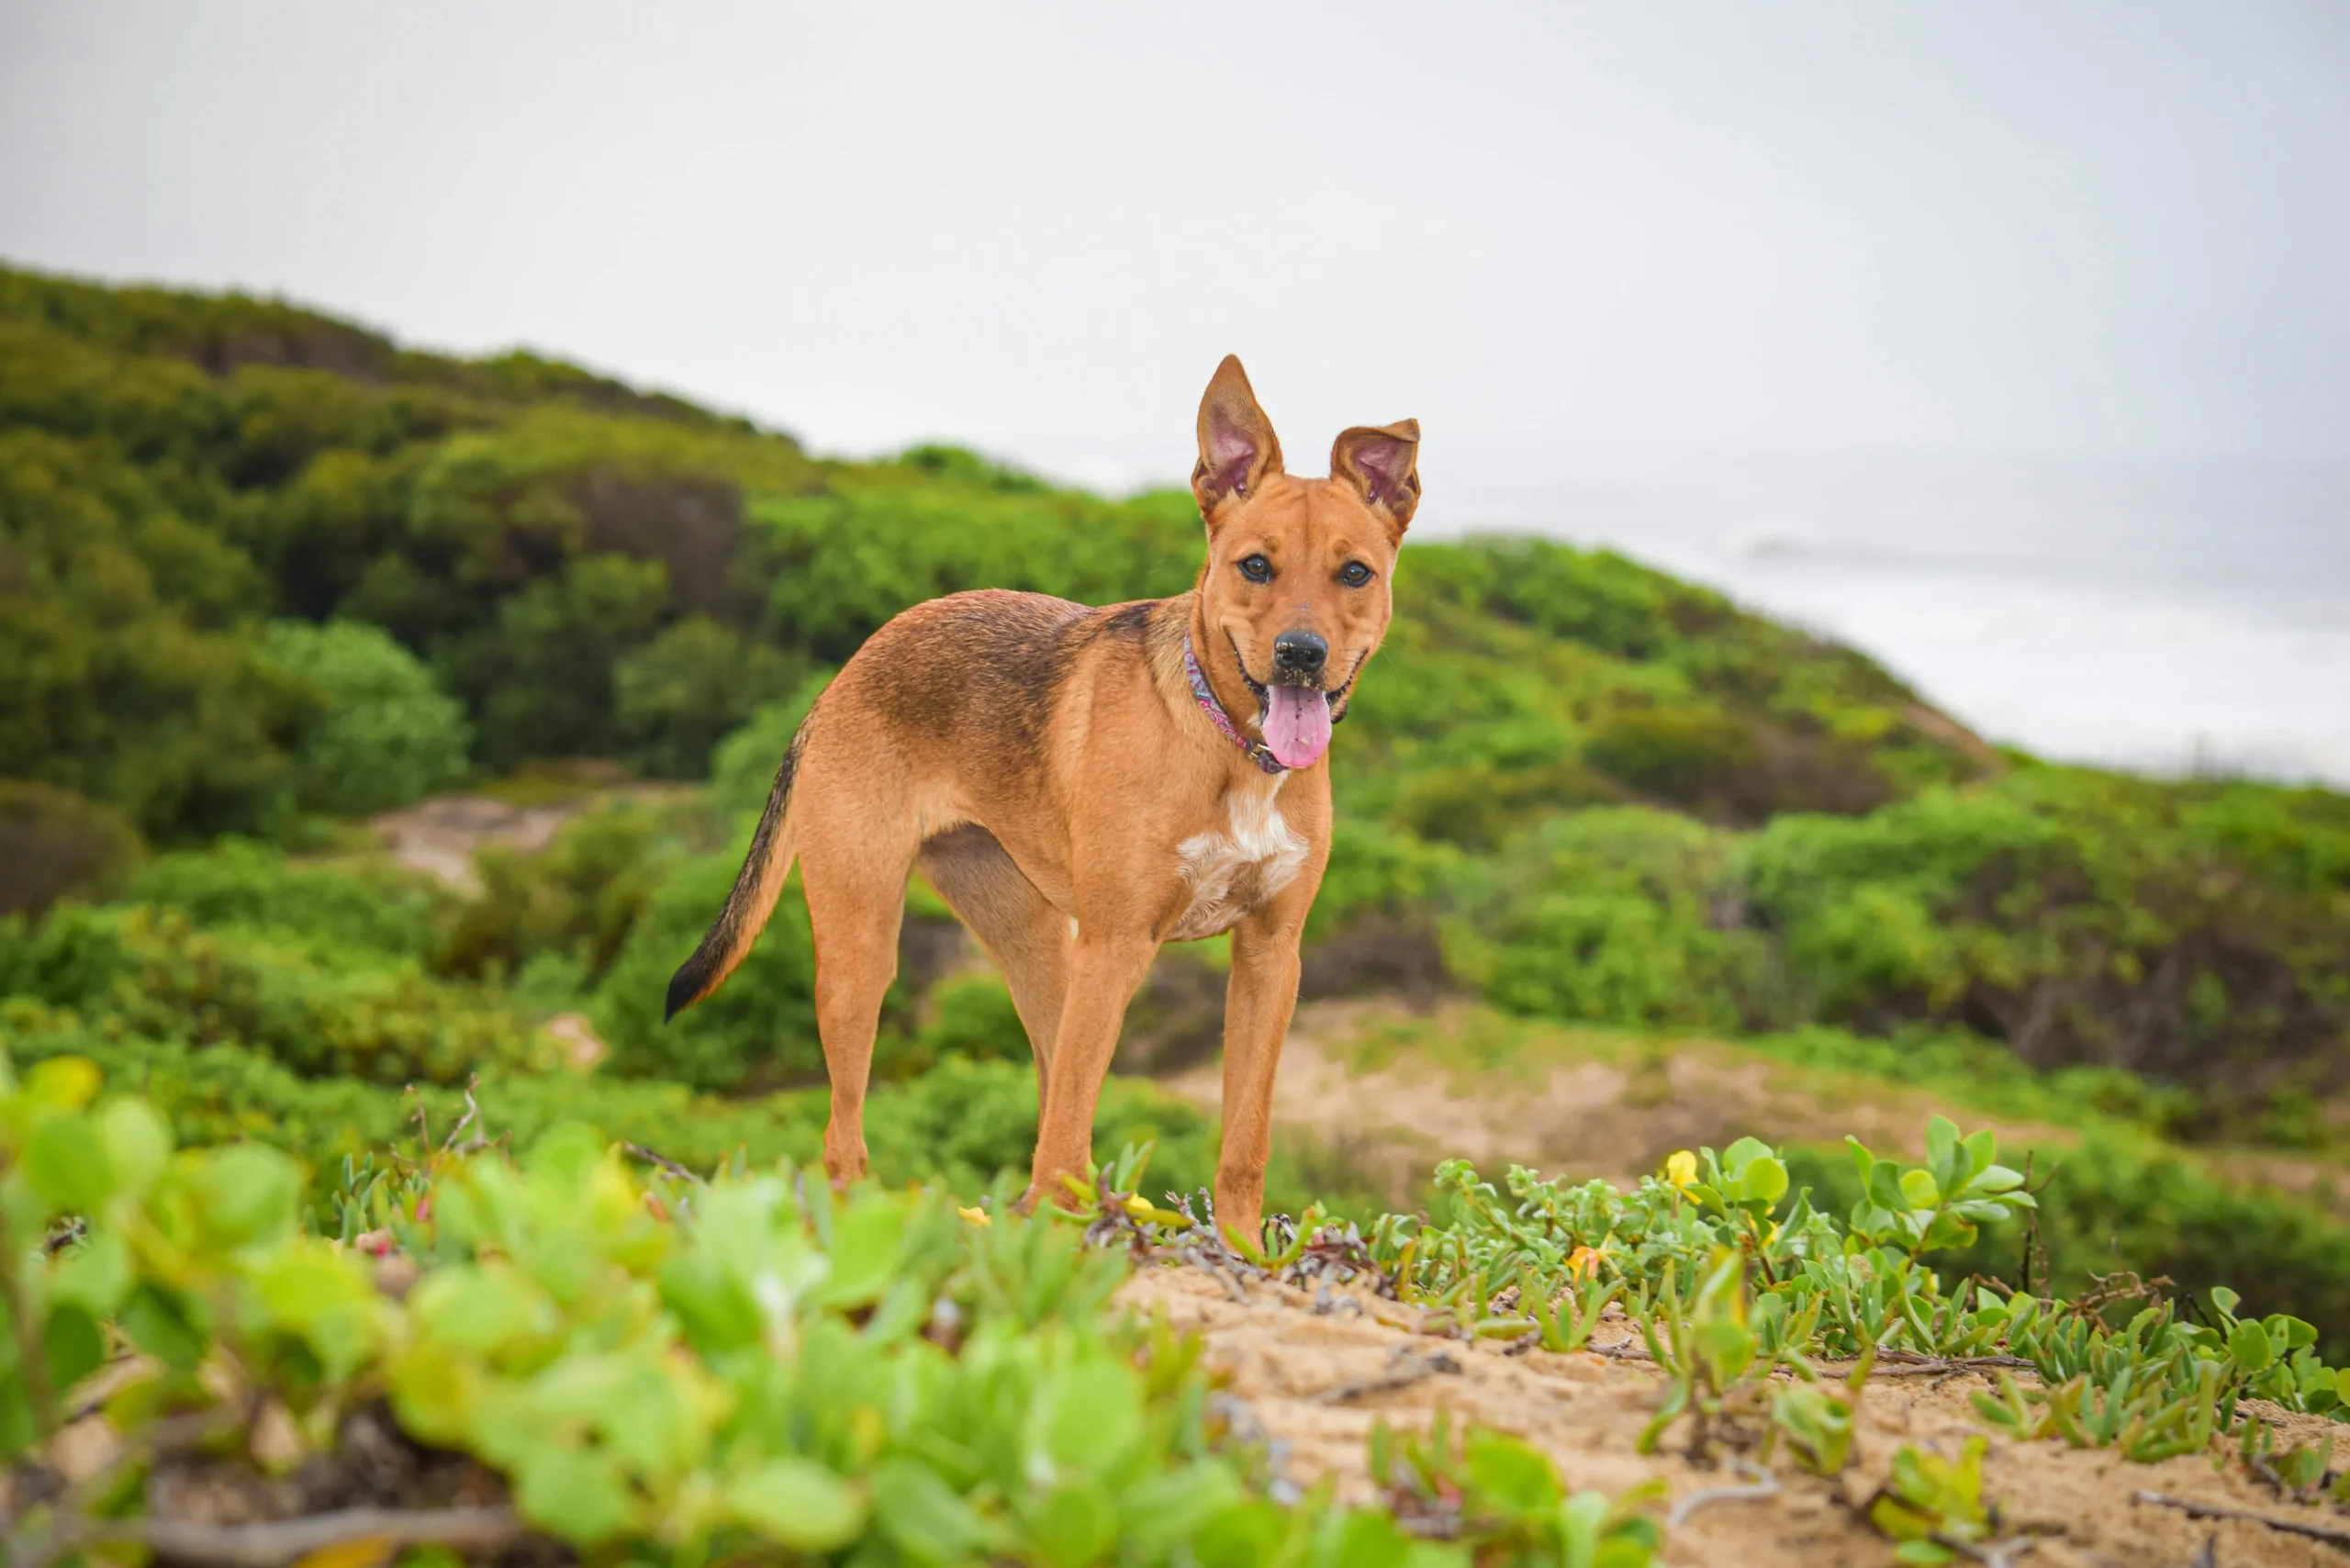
<point x="474" y="1340"/>
<point x="656" y="1367"/>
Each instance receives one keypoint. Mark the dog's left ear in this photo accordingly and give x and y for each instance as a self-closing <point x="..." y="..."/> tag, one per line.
<point x="1382" y="465"/>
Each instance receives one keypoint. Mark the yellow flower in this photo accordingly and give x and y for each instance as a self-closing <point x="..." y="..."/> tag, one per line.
<point x="1138" y="1207"/>
<point x="1681" y="1169"/>
<point x="1583" y="1262"/>
<point x="977" y="1216"/>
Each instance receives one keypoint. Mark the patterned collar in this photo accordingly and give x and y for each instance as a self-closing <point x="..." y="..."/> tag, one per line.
<point x="1257" y="751"/>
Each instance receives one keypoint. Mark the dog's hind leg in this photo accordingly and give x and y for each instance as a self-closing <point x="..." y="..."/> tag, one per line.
<point x="854" y="861"/>
<point x="1026" y="937"/>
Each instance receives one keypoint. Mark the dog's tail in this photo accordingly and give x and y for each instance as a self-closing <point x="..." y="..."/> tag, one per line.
<point x="756" y="887"/>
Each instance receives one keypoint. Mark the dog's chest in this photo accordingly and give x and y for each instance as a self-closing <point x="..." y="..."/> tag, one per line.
<point x="1232" y="871"/>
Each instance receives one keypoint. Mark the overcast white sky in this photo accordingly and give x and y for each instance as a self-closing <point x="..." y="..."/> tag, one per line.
<point x="1705" y="227"/>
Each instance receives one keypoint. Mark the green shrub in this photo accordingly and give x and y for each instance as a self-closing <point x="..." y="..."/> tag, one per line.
<point x="385" y="735"/>
<point x="964" y="1123"/>
<point x="240" y="883"/>
<point x="1614" y="915"/>
<point x="317" y="1008"/>
<point x="55" y="844"/>
<point x="127" y="680"/>
<point x="539" y="678"/>
<point x="1478" y="805"/>
<point x="843" y="563"/>
<point x="579" y="896"/>
<point x="743" y="767"/>
<point x="758" y="1031"/>
<point x="676" y="696"/>
<point x="972" y="1017"/>
<point x="1688" y="755"/>
<point x="2083" y="918"/>
<point x="2117" y="1205"/>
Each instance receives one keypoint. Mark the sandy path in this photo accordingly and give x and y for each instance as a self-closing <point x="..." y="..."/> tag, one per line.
<point x="1585" y="1412"/>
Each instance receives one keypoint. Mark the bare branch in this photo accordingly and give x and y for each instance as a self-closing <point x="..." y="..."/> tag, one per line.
<point x="1995" y="1554"/>
<point x="283" y="1541"/>
<point x="1763" y="1487"/>
<point x="2332" y="1535"/>
<point x="1402" y="1372"/>
<point x="659" y="1162"/>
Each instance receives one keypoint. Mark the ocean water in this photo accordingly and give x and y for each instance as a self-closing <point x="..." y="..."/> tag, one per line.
<point x="2171" y="616"/>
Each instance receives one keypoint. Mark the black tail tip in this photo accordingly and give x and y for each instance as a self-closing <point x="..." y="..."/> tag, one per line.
<point x="684" y="988"/>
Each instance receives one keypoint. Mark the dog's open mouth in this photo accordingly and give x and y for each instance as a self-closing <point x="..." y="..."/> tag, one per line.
<point x="1296" y="724"/>
<point x="1295" y="720"/>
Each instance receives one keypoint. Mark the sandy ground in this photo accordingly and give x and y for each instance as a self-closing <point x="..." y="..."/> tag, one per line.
<point x="1284" y="1359"/>
<point x="441" y="836"/>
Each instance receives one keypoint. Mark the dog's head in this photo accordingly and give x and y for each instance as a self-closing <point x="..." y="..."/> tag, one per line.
<point x="1295" y="592"/>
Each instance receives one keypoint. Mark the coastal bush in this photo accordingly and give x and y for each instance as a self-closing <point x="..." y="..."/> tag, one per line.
<point x="2082" y="918"/>
<point x="759" y="1030"/>
<point x="1615" y="915"/>
<point x="2113" y="1207"/>
<point x="241" y="884"/>
<point x="316" y="1007"/>
<point x="690" y="687"/>
<point x="963" y="1123"/>
<point x="578" y="898"/>
<point x="56" y="845"/>
<point x="383" y="734"/>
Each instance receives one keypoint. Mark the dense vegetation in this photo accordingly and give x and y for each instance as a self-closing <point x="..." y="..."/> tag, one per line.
<point x="744" y="1369"/>
<point x="474" y="1352"/>
<point x="262" y="571"/>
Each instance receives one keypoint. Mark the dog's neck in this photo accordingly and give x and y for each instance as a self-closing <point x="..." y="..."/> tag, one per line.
<point x="1209" y="677"/>
<point x="1204" y="696"/>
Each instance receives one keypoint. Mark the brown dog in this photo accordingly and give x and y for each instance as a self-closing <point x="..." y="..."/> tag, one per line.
<point x="1079" y="787"/>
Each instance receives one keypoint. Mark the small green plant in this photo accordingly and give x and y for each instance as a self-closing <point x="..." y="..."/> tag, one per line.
<point x="1503" y="1500"/>
<point x="2301" y="1473"/>
<point x="1816" y="1422"/>
<point x="1564" y="1311"/>
<point x="1936" y="1206"/>
<point x="1716" y="1350"/>
<point x="1727" y="1280"/>
<point x="2158" y="1386"/>
<point x="1934" y="1507"/>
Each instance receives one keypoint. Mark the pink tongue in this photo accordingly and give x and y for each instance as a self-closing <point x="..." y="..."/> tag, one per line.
<point x="1297" y="726"/>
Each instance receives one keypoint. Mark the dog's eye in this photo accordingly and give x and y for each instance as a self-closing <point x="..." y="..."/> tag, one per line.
<point x="1256" y="568"/>
<point x="1354" y="574"/>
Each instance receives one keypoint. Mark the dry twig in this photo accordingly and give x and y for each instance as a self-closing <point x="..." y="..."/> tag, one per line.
<point x="2332" y="1535"/>
<point x="271" y="1545"/>
<point x="659" y="1162"/>
<point x="1402" y="1372"/>
<point x="1764" y="1485"/>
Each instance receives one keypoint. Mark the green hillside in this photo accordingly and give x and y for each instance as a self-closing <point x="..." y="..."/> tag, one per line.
<point x="263" y="572"/>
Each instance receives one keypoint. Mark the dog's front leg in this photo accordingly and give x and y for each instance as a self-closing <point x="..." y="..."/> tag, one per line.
<point x="1258" y="1004"/>
<point x="1104" y="971"/>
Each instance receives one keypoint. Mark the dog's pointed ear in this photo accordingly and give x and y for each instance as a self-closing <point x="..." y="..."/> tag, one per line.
<point x="1237" y="446"/>
<point x="1383" y="466"/>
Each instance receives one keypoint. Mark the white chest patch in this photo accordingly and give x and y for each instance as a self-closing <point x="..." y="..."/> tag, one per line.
<point x="1234" y="871"/>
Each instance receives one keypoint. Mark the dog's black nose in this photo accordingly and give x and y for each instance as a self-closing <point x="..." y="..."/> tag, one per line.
<point x="1300" y="653"/>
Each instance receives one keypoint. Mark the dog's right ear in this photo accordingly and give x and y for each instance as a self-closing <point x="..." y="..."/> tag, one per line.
<point x="1237" y="447"/>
